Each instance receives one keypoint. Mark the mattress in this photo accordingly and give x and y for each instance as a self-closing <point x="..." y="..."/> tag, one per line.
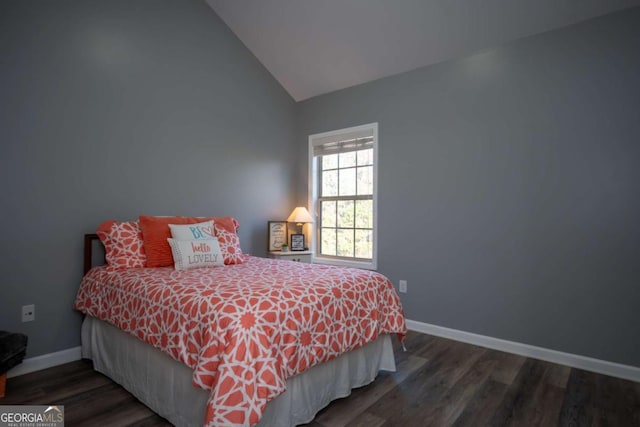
<point x="165" y="385"/>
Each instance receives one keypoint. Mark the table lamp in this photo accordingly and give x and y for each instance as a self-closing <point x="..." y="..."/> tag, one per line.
<point x="300" y="216"/>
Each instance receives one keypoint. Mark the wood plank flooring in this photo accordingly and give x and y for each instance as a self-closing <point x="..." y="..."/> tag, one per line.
<point x="438" y="382"/>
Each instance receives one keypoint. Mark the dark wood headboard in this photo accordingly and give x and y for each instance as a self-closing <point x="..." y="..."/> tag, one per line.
<point x="88" y="250"/>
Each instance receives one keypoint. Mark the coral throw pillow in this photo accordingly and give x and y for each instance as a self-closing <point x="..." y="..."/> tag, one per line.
<point x="156" y="231"/>
<point x="123" y="244"/>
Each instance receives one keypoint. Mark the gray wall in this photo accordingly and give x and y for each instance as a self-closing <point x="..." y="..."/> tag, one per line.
<point x="509" y="186"/>
<point x="112" y="109"/>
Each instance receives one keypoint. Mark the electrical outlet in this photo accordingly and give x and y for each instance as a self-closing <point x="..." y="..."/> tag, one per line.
<point x="28" y="313"/>
<point x="402" y="286"/>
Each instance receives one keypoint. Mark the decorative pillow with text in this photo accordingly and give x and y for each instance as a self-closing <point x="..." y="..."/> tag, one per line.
<point x="189" y="254"/>
<point x="199" y="231"/>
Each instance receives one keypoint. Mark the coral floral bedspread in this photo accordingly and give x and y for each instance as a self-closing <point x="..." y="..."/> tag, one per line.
<point x="245" y="329"/>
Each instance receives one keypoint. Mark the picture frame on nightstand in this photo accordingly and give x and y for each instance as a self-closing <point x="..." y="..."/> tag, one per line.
<point x="277" y="235"/>
<point x="297" y="242"/>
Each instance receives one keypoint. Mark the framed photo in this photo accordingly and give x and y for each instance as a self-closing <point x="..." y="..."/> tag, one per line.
<point x="297" y="242"/>
<point x="277" y="232"/>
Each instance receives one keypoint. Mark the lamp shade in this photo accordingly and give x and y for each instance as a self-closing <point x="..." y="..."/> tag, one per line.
<point x="300" y="215"/>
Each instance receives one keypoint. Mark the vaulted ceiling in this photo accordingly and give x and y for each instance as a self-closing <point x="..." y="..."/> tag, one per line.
<point x="314" y="47"/>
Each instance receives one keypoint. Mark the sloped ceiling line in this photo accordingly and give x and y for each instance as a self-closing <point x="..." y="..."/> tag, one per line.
<point x="314" y="47"/>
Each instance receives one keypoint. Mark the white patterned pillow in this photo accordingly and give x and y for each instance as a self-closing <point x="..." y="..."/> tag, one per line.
<point x="189" y="254"/>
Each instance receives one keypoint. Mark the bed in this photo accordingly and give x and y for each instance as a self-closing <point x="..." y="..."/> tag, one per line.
<point x="264" y="342"/>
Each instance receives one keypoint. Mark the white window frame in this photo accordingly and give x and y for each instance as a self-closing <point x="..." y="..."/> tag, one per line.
<point x="320" y="139"/>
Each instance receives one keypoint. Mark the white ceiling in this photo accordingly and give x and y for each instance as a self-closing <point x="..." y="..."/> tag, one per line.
<point x="318" y="46"/>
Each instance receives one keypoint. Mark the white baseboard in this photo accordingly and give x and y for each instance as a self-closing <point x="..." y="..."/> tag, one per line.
<point x="618" y="370"/>
<point x="575" y="361"/>
<point x="45" y="361"/>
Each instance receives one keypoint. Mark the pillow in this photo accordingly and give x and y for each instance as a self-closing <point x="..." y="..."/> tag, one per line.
<point x="123" y="244"/>
<point x="226" y="232"/>
<point x="155" y="232"/>
<point x="199" y="231"/>
<point x="189" y="254"/>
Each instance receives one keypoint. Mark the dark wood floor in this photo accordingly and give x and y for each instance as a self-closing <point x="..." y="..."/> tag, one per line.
<point x="438" y="383"/>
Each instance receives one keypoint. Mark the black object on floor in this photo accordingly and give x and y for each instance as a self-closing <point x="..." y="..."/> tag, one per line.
<point x="13" y="348"/>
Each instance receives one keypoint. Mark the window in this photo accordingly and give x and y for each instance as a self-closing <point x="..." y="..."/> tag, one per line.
<point x="343" y="178"/>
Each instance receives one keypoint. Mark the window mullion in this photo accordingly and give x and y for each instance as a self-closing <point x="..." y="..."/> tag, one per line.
<point x="342" y="198"/>
<point x="335" y="230"/>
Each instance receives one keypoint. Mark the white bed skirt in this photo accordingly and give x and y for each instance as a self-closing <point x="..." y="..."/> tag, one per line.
<point x="164" y="384"/>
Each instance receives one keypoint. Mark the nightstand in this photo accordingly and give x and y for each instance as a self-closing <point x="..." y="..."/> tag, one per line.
<point x="298" y="256"/>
